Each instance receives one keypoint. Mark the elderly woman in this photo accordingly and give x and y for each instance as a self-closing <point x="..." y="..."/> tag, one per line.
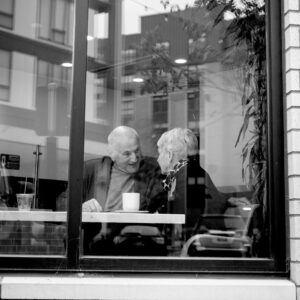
<point x="190" y="188"/>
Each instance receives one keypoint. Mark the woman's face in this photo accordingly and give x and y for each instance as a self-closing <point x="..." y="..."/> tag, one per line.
<point x="164" y="160"/>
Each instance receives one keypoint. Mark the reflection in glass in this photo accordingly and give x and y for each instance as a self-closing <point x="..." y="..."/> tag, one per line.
<point x="6" y="13"/>
<point x="5" y="62"/>
<point x="219" y="93"/>
<point x="34" y="108"/>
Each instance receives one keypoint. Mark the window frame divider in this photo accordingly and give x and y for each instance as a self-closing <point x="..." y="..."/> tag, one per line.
<point x="276" y="182"/>
<point x="77" y="131"/>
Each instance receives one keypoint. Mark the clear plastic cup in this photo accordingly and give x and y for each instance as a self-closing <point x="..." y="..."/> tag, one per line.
<point x="24" y="201"/>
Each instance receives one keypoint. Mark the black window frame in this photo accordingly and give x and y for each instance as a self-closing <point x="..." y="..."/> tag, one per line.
<point x="72" y="261"/>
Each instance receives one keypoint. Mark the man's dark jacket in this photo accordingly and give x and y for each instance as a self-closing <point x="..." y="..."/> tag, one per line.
<point x="97" y="175"/>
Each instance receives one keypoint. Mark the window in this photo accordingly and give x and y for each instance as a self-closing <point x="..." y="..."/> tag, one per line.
<point x="34" y="146"/>
<point x="127" y="112"/>
<point x="5" y="63"/>
<point x="163" y="46"/>
<point x="236" y="211"/>
<point x="100" y="100"/>
<point x="56" y="21"/>
<point x="6" y="13"/>
<point x="54" y="81"/>
<point x="129" y="58"/>
<point x="48" y="73"/>
<point x="160" y="110"/>
<point x="194" y="107"/>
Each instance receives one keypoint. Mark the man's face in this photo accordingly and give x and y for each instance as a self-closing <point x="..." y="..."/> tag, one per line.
<point x="127" y="155"/>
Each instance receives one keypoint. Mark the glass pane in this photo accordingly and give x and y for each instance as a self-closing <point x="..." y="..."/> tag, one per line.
<point x="5" y="60"/>
<point x="34" y="139"/>
<point x="59" y="15"/>
<point x="6" y="21"/>
<point x="46" y="20"/>
<point x="45" y="17"/>
<point x="189" y="78"/>
<point x="6" y="13"/>
<point x="4" y="93"/>
<point x="6" y="6"/>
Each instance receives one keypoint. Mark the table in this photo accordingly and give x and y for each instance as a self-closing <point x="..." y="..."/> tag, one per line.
<point x="93" y="217"/>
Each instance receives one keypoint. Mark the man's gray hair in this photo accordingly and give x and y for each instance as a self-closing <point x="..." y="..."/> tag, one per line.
<point x="120" y="131"/>
<point x="181" y="141"/>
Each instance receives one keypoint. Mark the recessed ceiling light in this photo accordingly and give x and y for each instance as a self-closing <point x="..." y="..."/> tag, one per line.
<point x="138" y="79"/>
<point x="66" y="64"/>
<point x="180" y="61"/>
<point x="247" y="208"/>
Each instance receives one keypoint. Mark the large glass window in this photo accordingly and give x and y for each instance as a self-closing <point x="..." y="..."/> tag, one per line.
<point x="36" y="87"/>
<point x="208" y="79"/>
<point x="172" y="140"/>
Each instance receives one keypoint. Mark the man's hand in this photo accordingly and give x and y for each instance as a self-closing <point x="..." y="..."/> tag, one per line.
<point x="242" y="201"/>
<point x="91" y="205"/>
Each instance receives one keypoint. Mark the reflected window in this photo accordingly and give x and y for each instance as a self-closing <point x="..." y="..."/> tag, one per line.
<point x="160" y="110"/>
<point x="50" y="73"/>
<point x="129" y="59"/>
<point x="100" y="99"/>
<point x="56" y="21"/>
<point x="151" y="91"/>
<point x="34" y="126"/>
<point x="127" y="112"/>
<point x="7" y="13"/>
<point x="5" y="65"/>
<point x="163" y="47"/>
<point x="193" y="108"/>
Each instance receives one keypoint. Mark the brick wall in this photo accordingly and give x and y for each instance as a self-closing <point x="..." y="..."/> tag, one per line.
<point x="292" y="71"/>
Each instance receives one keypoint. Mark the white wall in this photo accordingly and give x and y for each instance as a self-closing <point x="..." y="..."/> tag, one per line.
<point x="292" y="75"/>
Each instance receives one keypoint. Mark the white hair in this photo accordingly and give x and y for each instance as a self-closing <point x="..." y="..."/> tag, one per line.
<point x="118" y="135"/>
<point x="192" y="142"/>
<point x="180" y="141"/>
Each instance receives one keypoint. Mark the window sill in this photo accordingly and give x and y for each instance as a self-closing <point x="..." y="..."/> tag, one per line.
<point x="132" y="287"/>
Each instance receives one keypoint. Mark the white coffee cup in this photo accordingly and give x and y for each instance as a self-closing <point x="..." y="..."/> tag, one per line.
<point x="131" y="201"/>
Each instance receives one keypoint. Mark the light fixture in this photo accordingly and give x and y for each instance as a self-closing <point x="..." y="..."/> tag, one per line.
<point x="180" y="61"/>
<point x="89" y="38"/>
<point x="138" y="79"/>
<point x="247" y="208"/>
<point x="66" y="64"/>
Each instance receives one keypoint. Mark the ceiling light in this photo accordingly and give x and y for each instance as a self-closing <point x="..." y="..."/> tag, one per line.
<point x="247" y="208"/>
<point x="89" y="38"/>
<point x="66" y="64"/>
<point x="138" y="79"/>
<point x="180" y="61"/>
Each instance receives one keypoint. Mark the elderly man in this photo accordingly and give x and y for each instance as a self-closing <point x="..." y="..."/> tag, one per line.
<point x="124" y="170"/>
<point x="106" y="178"/>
